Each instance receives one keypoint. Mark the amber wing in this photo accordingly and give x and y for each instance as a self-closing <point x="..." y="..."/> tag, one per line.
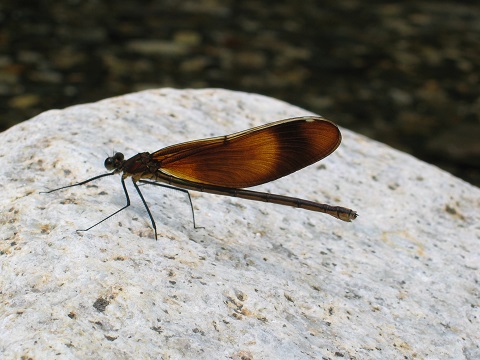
<point x="253" y="156"/>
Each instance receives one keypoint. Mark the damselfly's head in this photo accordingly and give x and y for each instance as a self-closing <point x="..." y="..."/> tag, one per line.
<point x="114" y="162"/>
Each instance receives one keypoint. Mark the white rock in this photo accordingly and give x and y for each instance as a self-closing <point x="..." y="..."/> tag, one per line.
<point x="261" y="281"/>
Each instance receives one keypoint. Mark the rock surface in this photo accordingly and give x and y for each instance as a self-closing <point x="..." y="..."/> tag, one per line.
<point x="260" y="281"/>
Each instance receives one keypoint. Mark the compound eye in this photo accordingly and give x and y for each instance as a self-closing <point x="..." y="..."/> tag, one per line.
<point x="119" y="156"/>
<point x="109" y="163"/>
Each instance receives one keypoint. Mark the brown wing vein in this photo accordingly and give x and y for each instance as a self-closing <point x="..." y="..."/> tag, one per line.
<point x="253" y="156"/>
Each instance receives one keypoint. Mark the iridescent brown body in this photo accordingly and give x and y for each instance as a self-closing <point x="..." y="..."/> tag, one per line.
<point x="226" y="165"/>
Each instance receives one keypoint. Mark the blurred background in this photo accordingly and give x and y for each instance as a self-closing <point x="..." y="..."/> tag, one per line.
<point x="403" y="72"/>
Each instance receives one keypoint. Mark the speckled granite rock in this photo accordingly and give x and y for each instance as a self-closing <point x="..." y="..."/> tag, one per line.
<point x="261" y="281"/>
